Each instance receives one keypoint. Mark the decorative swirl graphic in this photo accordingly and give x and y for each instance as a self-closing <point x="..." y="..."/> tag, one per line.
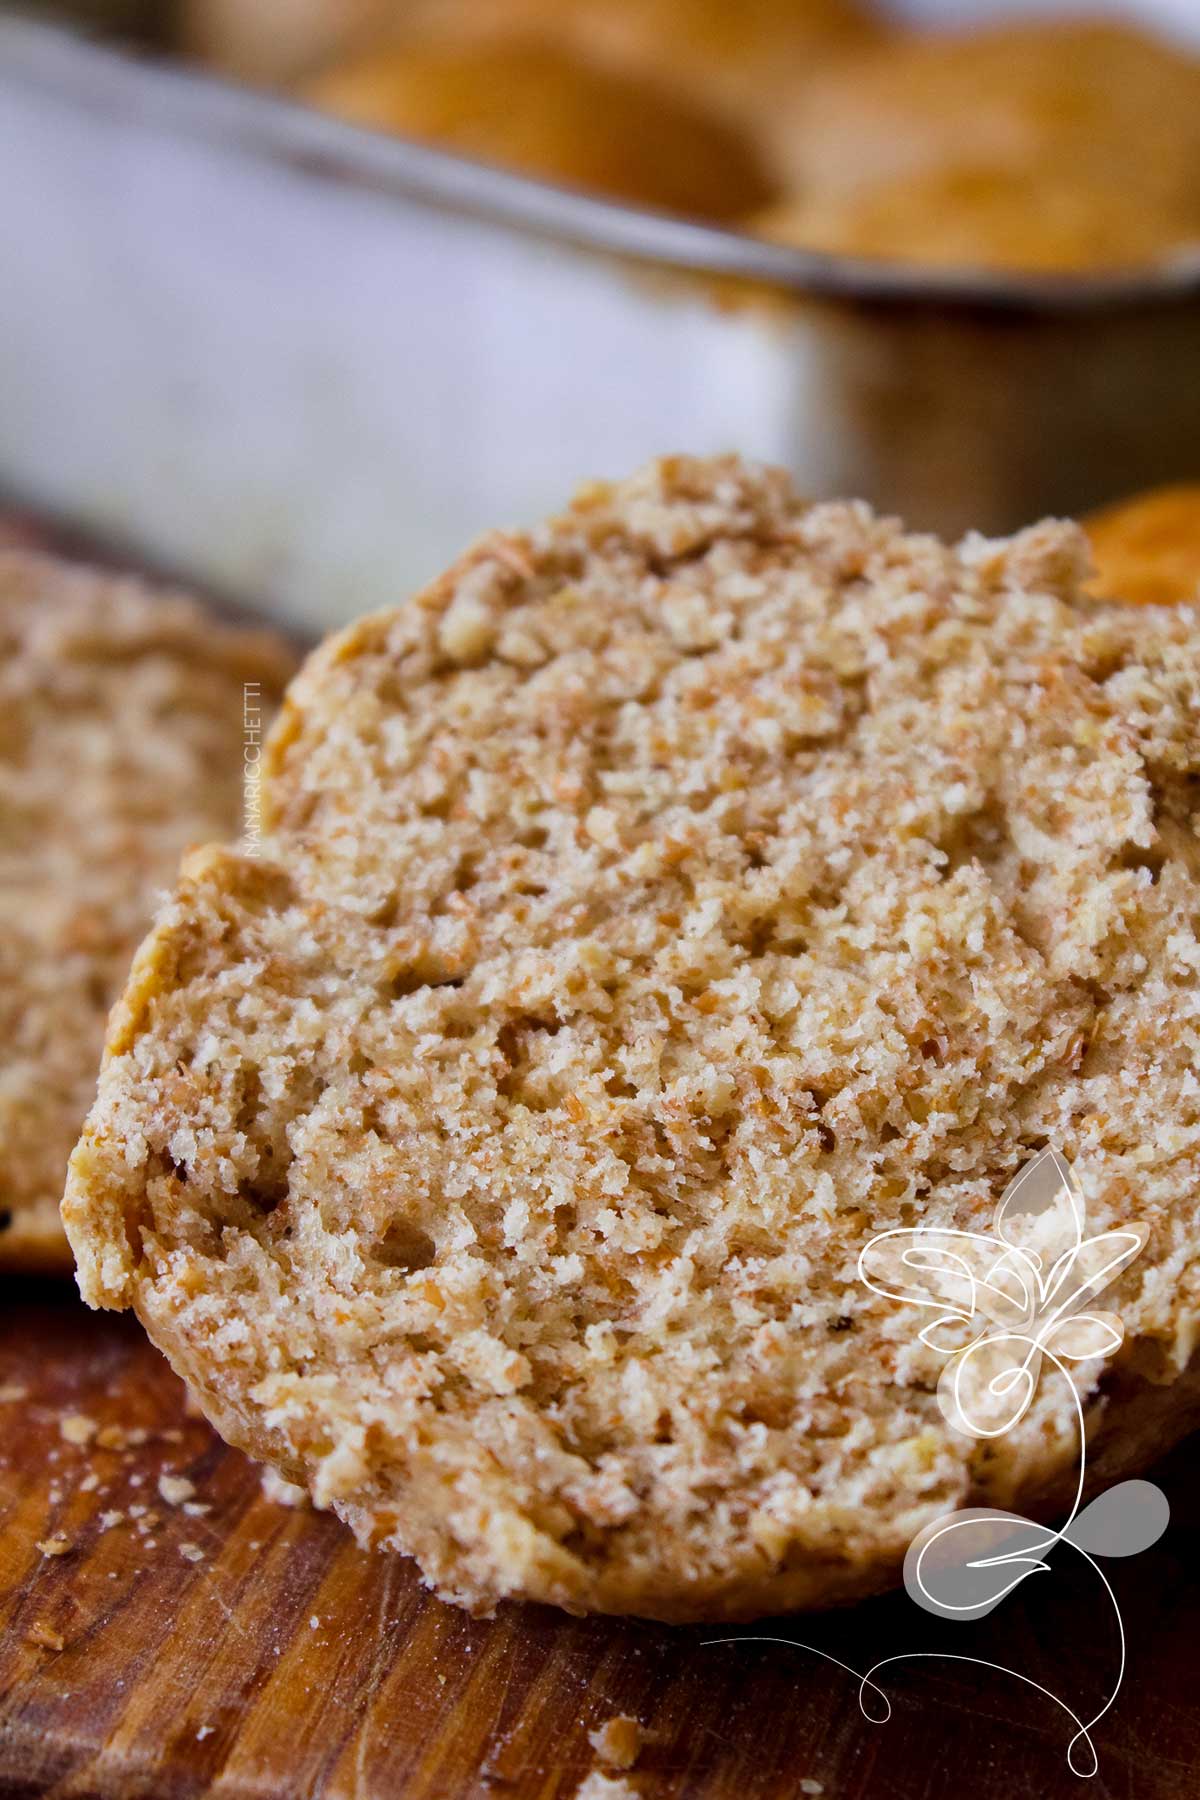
<point x="1016" y="1296"/>
<point x="1004" y="1304"/>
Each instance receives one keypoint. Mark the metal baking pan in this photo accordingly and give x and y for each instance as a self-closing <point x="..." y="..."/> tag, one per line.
<point x="305" y="363"/>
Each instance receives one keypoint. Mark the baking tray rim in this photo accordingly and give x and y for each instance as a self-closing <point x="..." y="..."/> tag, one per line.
<point x="116" y="80"/>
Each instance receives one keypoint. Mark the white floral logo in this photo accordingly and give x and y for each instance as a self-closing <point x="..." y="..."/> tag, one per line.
<point x="1005" y="1304"/>
<point x="1017" y="1294"/>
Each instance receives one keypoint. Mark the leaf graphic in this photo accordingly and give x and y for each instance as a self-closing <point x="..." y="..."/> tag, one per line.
<point x="962" y="1566"/>
<point x="1123" y="1522"/>
<point x="923" y="1268"/>
<point x="956" y="1274"/>
<point x="1082" y="1335"/>
<point x="1082" y="1273"/>
<point x="1041" y="1210"/>
<point x="1009" y="1291"/>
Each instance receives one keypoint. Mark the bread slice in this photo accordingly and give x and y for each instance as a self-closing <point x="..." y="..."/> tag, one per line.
<point x="121" y="743"/>
<point x="659" y="905"/>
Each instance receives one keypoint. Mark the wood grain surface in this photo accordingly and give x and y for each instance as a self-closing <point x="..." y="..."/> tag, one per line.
<point x="250" y="1650"/>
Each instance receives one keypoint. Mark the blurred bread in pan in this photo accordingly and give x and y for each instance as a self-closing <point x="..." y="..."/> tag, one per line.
<point x="526" y="106"/>
<point x="739" y="54"/>
<point x="1043" y="146"/>
<point x="735" y="52"/>
<point x="275" y="41"/>
<point x="973" y="219"/>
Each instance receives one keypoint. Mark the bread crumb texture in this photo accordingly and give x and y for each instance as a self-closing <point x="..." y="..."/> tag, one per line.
<point x="656" y="907"/>
<point x="597" y="1786"/>
<point x="120" y="745"/>
<point x="618" y="1742"/>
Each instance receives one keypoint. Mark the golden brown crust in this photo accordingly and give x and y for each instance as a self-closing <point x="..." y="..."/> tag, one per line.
<point x="530" y="107"/>
<point x="1147" y="549"/>
<point x="662" y="903"/>
<point x="120" y="742"/>
<point x="738" y="57"/>
<point x="746" y="58"/>
<point x="1042" y="146"/>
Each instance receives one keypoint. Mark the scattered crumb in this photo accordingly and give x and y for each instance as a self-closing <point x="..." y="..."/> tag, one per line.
<point x="175" y="1489"/>
<point x="618" y="1741"/>
<point x="13" y="1391"/>
<point x="313" y="1622"/>
<point x="137" y="1512"/>
<point x="121" y="1437"/>
<point x="57" y="1545"/>
<point x="77" y="1428"/>
<point x="203" y="1732"/>
<point x="90" y="1483"/>
<point x="281" y="1492"/>
<point x="45" y="1636"/>
<point x="109" y="1519"/>
<point x="606" y="1787"/>
<point x="196" y="1509"/>
<point x="192" y="1552"/>
<point x="809" y="1786"/>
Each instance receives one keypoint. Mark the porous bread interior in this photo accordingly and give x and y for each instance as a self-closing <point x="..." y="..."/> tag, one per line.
<point x="120" y="744"/>
<point x="662" y="903"/>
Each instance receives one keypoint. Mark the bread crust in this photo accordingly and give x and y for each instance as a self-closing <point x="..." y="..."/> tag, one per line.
<point x="529" y="107"/>
<point x="1147" y="549"/>
<point x="658" y="906"/>
<point x="1049" y="146"/>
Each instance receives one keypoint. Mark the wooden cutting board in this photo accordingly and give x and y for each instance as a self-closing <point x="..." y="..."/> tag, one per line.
<point x="249" y="1651"/>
